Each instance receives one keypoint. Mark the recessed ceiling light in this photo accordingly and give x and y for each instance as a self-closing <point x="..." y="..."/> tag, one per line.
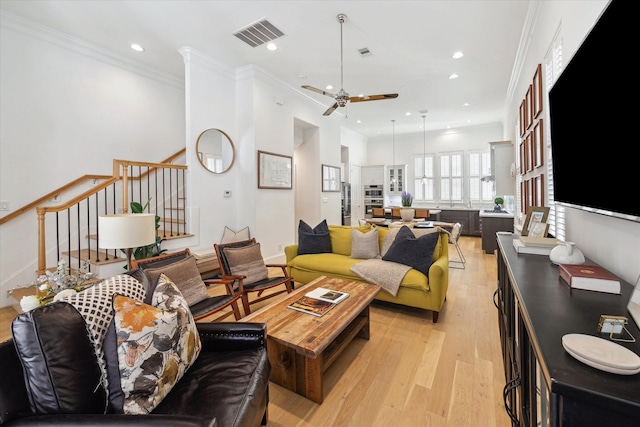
<point x="408" y="113"/>
<point x="457" y="55"/>
<point x="358" y="121"/>
<point x="453" y="76"/>
<point x="302" y="76"/>
<point x="137" y="47"/>
<point x="466" y="104"/>
<point x="328" y="87"/>
<point x="272" y="46"/>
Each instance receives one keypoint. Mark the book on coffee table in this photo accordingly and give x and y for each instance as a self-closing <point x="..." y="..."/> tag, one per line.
<point x="589" y="277"/>
<point x="313" y="306"/>
<point x="328" y="295"/>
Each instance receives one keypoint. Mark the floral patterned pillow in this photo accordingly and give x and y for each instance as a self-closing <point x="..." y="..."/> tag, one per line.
<point x="156" y="344"/>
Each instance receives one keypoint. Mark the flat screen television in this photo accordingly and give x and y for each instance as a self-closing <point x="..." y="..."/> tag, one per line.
<point x="592" y="117"/>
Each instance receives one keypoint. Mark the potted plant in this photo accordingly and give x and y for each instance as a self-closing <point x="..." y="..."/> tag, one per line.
<point x="406" y="198"/>
<point x="406" y="213"/>
<point x="498" y="201"/>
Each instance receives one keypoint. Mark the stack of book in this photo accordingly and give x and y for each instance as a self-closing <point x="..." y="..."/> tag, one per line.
<point x="319" y="301"/>
<point x="534" y="245"/>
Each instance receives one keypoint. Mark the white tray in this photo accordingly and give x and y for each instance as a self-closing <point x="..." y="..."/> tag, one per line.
<point x="602" y="354"/>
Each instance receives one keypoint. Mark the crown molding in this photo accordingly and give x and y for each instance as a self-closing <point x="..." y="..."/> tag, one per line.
<point x="41" y="32"/>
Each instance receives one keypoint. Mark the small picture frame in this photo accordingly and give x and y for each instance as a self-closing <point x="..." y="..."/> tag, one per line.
<point x="274" y="171"/>
<point x="331" y="179"/>
<point x="535" y="214"/>
<point x="538" y="229"/>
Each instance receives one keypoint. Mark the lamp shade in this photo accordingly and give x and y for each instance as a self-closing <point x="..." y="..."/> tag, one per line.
<point x="122" y="231"/>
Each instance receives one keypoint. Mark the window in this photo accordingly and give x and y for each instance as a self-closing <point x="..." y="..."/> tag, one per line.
<point x="451" y="175"/>
<point x="424" y="179"/>
<point x="481" y="183"/>
<point x="553" y="68"/>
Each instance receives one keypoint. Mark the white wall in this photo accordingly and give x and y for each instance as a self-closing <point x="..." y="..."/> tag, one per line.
<point x="65" y="111"/>
<point x="613" y="243"/>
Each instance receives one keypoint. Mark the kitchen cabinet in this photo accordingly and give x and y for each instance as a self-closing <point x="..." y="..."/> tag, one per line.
<point x="395" y="180"/>
<point x="489" y="226"/>
<point x="469" y="219"/>
<point x="545" y="386"/>
<point x="372" y="175"/>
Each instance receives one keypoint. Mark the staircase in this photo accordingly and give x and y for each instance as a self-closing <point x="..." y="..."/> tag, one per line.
<point x="70" y="231"/>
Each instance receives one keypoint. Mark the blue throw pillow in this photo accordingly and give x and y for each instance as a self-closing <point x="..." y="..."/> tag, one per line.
<point x="416" y="252"/>
<point x="313" y="240"/>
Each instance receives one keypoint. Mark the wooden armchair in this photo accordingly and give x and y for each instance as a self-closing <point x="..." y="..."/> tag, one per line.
<point x="242" y="262"/>
<point x="181" y="268"/>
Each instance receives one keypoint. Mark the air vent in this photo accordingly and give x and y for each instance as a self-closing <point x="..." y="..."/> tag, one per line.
<point x="364" y="51"/>
<point x="258" y="33"/>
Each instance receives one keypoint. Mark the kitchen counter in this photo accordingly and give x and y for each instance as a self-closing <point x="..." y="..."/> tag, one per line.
<point x="488" y="213"/>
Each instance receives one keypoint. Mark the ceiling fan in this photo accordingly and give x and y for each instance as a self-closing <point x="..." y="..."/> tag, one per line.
<point x="343" y="97"/>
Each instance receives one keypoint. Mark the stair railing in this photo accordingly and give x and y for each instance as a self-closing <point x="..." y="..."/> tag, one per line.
<point x="74" y="224"/>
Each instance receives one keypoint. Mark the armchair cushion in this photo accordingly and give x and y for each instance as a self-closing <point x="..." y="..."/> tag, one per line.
<point x="416" y="252"/>
<point x="185" y="275"/>
<point x="313" y="240"/>
<point x="247" y="261"/>
<point x="156" y="344"/>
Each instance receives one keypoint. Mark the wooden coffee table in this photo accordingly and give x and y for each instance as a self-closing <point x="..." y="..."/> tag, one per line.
<point x="301" y="346"/>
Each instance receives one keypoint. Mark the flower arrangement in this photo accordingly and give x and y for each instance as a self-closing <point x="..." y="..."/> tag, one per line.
<point x="55" y="286"/>
<point x="406" y="198"/>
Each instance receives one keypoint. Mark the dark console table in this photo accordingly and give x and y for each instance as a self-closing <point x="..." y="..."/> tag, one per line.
<point x="545" y="386"/>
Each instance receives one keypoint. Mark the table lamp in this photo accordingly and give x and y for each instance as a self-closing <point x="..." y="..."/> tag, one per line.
<point x="126" y="231"/>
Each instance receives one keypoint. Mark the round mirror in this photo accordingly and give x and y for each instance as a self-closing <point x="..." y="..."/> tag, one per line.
<point x="215" y="150"/>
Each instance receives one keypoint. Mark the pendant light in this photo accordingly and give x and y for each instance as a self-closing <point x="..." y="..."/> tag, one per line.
<point x="393" y="153"/>
<point x="424" y="147"/>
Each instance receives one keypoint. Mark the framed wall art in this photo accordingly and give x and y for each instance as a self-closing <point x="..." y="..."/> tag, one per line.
<point x="528" y="106"/>
<point x="538" y="137"/>
<point x="537" y="91"/>
<point x="330" y="178"/>
<point x="274" y="171"/>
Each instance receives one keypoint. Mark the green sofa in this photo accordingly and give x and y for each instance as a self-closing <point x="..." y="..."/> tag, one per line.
<point x="416" y="289"/>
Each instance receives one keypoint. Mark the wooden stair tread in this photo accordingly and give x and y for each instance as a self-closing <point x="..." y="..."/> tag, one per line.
<point x="171" y="236"/>
<point x="95" y="257"/>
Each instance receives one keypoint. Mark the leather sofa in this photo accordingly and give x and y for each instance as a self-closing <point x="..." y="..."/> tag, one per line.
<point x="227" y="385"/>
<point x="416" y="289"/>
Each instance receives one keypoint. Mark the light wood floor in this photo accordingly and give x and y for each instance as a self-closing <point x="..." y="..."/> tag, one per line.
<point x="411" y="373"/>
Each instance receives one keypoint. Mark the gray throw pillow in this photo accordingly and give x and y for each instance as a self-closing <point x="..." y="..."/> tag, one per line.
<point x="364" y="245"/>
<point x="313" y="240"/>
<point x="416" y="252"/>
<point x="185" y="275"/>
<point x="247" y="261"/>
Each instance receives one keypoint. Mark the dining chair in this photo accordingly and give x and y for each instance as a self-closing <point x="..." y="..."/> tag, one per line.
<point x="377" y="212"/>
<point x="422" y="213"/>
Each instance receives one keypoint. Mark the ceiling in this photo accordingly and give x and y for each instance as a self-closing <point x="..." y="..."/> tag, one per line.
<point x="410" y="42"/>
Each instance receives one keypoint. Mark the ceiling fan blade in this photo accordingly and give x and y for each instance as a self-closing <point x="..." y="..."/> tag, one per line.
<point x="330" y="109"/>
<point x="313" y="89"/>
<point x="373" y="97"/>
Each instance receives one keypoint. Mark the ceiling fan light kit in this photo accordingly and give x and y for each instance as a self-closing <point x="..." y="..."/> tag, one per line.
<point x="342" y="97"/>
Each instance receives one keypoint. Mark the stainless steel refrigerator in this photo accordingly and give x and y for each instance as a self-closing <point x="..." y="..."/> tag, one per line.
<point x="345" y="197"/>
